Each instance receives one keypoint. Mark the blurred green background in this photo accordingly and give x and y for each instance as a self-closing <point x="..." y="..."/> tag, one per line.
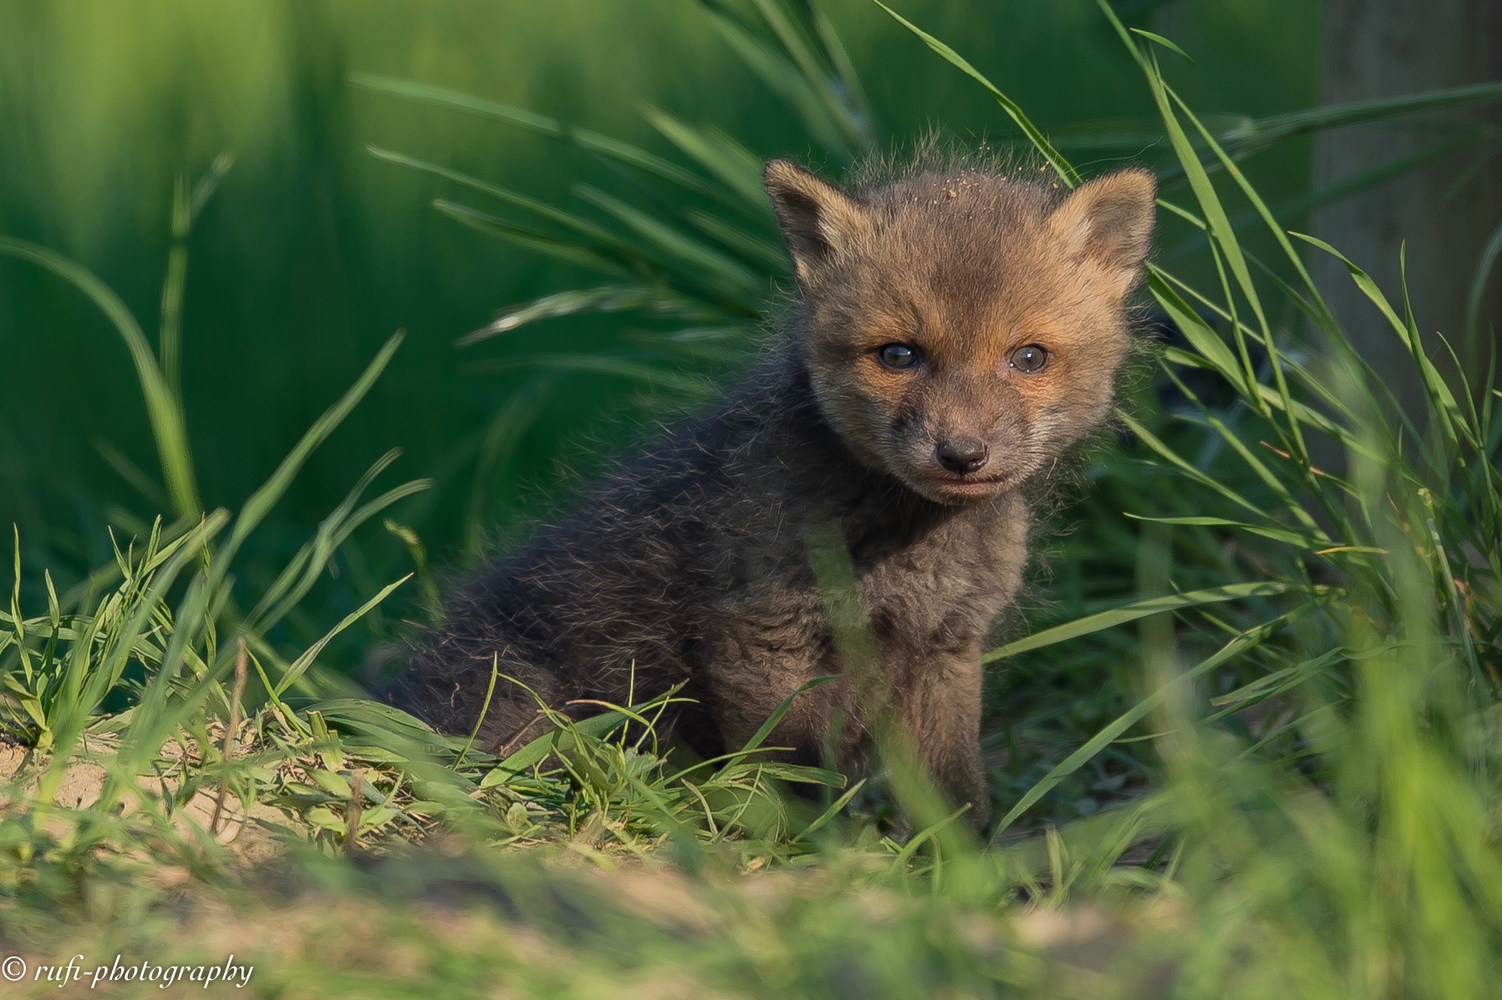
<point x="313" y="252"/>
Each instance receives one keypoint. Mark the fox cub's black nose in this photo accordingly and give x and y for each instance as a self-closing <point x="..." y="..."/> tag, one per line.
<point x="962" y="455"/>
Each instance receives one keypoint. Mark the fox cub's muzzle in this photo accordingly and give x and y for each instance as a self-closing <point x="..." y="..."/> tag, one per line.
<point x="962" y="455"/>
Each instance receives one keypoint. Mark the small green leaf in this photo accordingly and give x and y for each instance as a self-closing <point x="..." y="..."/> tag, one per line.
<point x="1160" y="40"/>
<point x="335" y="784"/>
<point x="323" y="818"/>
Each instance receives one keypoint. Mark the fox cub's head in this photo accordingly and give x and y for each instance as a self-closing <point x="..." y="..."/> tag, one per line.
<point x="963" y="329"/>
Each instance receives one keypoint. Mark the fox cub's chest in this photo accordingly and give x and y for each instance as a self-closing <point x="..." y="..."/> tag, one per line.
<point x="945" y="586"/>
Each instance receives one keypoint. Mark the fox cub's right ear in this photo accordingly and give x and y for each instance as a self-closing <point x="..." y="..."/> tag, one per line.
<point x="1107" y="225"/>
<point x="817" y="219"/>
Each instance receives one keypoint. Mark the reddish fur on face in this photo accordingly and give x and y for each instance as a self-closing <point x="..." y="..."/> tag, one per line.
<point x="965" y="268"/>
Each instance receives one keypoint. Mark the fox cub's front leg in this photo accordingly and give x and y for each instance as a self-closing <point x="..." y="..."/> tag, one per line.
<point x="941" y="707"/>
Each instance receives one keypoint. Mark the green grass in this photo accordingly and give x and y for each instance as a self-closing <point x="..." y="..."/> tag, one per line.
<point x="1244" y="744"/>
<point x="311" y="252"/>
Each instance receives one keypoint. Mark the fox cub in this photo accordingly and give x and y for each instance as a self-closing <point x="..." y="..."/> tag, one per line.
<point x="957" y="329"/>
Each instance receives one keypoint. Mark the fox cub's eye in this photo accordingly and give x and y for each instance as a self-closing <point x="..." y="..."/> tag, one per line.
<point x="898" y="356"/>
<point x="1030" y="359"/>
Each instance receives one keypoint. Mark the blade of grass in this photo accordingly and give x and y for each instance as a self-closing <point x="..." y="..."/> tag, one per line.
<point x="1235" y="647"/>
<point x="1056" y="160"/>
<point x="1132" y="611"/>
<point x="162" y="406"/>
<point x="263" y="499"/>
<point x="411" y="90"/>
<point x="302" y="663"/>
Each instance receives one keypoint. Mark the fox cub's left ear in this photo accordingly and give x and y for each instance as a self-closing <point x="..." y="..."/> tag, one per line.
<point x="1107" y="225"/>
